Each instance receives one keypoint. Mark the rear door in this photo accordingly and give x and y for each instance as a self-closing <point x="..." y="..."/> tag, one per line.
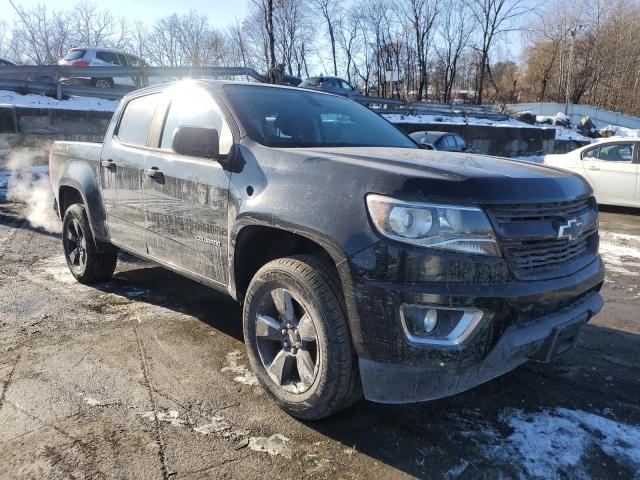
<point x="121" y="172"/>
<point x="186" y="198"/>
<point x="611" y="169"/>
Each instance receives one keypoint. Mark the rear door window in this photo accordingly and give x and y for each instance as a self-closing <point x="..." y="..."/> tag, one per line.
<point x="136" y="120"/>
<point x="108" y="57"/>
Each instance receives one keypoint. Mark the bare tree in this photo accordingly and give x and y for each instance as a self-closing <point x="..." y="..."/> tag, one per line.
<point x="493" y="18"/>
<point x="330" y="9"/>
<point x="421" y="15"/>
<point x="454" y="31"/>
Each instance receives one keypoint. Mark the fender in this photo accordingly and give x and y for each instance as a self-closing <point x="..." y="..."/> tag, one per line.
<point x="81" y="176"/>
<point x="320" y="238"/>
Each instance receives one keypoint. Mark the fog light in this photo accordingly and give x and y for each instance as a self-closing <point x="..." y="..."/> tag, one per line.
<point x="430" y="320"/>
<point x="439" y="326"/>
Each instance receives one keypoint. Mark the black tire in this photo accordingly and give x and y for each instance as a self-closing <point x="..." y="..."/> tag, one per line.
<point x="86" y="264"/>
<point x="102" y="82"/>
<point x="315" y="293"/>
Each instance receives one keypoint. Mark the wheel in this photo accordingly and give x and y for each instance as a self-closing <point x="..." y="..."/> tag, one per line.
<point x="87" y="265"/>
<point x="297" y="338"/>
<point x="102" y="82"/>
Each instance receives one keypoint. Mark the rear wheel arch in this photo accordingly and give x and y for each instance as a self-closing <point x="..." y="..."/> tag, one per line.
<point x="67" y="196"/>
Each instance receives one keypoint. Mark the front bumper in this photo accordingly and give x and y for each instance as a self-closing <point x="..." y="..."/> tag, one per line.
<point x="524" y="320"/>
<point x="542" y="340"/>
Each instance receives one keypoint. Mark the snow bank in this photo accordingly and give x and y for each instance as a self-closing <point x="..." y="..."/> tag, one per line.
<point x="31" y="100"/>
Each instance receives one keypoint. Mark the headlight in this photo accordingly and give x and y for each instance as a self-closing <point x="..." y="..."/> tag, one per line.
<point x="446" y="227"/>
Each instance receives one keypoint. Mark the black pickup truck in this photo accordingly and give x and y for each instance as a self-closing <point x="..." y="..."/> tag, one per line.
<point x="366" y="265"/>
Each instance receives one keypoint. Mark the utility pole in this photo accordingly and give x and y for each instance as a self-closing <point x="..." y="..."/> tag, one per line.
<point x="573" y="33"/>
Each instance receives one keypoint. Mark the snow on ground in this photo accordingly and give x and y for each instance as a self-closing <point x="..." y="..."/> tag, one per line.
<point x="31" y="100"/>
<point x="553" y="443"/>
<point x="622" y="131"/>
<point x="620" y="252"/>
<point x="454" y="120"/>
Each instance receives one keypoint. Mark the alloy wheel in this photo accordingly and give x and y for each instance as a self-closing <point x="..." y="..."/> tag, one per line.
<point x="287" y="341"/>
<point x="76" y="245"/>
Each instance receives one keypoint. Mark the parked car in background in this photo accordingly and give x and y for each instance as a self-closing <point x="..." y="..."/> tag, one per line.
<point x="612" y="167"/>
<point x="446" y="141"/>
<point x="7" y="63"/>
<point x="102" y="57"/>
<point x="335" y="85"/>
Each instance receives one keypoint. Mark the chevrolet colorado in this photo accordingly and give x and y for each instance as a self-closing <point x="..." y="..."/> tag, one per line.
<point x="366" y="266"/>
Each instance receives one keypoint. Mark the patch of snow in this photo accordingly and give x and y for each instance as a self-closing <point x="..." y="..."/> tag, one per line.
<point x="32" y="100"/>
<point x="217" y="424"/>
<point x="620" y="252"/>
<point x="274" y="445"/>
<point x="245" y="376"/>
<point x="552" y="443"/>
<point x="171" y="417"/>
<point x="57" y="267"/>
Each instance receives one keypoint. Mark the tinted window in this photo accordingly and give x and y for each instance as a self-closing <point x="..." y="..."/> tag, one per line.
<point x="449" y="141"/>
<point x="194" y="107"/>
<point x="108" y="57"/>
<point x="74" y="54"/>
<point x="136" y="120"/>
<point x="345" y="85"/>
<point x="459" y="141"/>
<point x="309" y="82"/>
<point x="617" y="152"/>
<point x="280" y="117"/>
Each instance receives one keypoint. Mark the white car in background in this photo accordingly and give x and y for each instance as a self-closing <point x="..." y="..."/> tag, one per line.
<point x="612" y="167"/>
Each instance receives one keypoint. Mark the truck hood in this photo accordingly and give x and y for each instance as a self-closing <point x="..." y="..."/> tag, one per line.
<point x="467" y="178"/>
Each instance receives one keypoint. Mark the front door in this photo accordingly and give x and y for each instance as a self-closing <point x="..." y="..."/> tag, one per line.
<point x="186" y="197"/>
<point x="612" y="171"/>
<point x="121" y="173"/>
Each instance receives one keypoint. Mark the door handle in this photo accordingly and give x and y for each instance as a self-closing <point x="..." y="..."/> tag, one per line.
<point x="153" y="172"/>
<point x="108" y="164"/>
<point x="592" y="167"/>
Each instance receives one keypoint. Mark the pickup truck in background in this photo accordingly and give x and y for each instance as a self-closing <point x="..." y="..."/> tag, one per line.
<point x="366" y="266"/>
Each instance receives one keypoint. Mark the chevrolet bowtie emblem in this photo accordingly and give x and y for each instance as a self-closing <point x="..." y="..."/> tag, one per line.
<point x="571" y="230"/>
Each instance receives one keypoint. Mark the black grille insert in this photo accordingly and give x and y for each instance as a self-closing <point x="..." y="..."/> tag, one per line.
<point x="533" y="252"/>
<point x="540" y="211"/>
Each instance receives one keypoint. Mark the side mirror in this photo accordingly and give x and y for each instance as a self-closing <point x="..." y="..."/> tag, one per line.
<point x="197" y="142"/>
<point x="426" y="146"/>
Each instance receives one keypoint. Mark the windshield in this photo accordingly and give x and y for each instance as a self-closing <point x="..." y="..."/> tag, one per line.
<point x="292" y="118"/>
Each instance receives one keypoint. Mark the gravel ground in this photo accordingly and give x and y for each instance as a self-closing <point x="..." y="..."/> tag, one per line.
<point x="145" y="377"/>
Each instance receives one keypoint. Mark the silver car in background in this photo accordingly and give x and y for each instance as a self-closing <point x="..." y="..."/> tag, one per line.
<point x="102" y="57"/>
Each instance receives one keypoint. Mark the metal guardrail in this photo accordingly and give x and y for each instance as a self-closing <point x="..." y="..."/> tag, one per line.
<point x="59" y="81"/>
